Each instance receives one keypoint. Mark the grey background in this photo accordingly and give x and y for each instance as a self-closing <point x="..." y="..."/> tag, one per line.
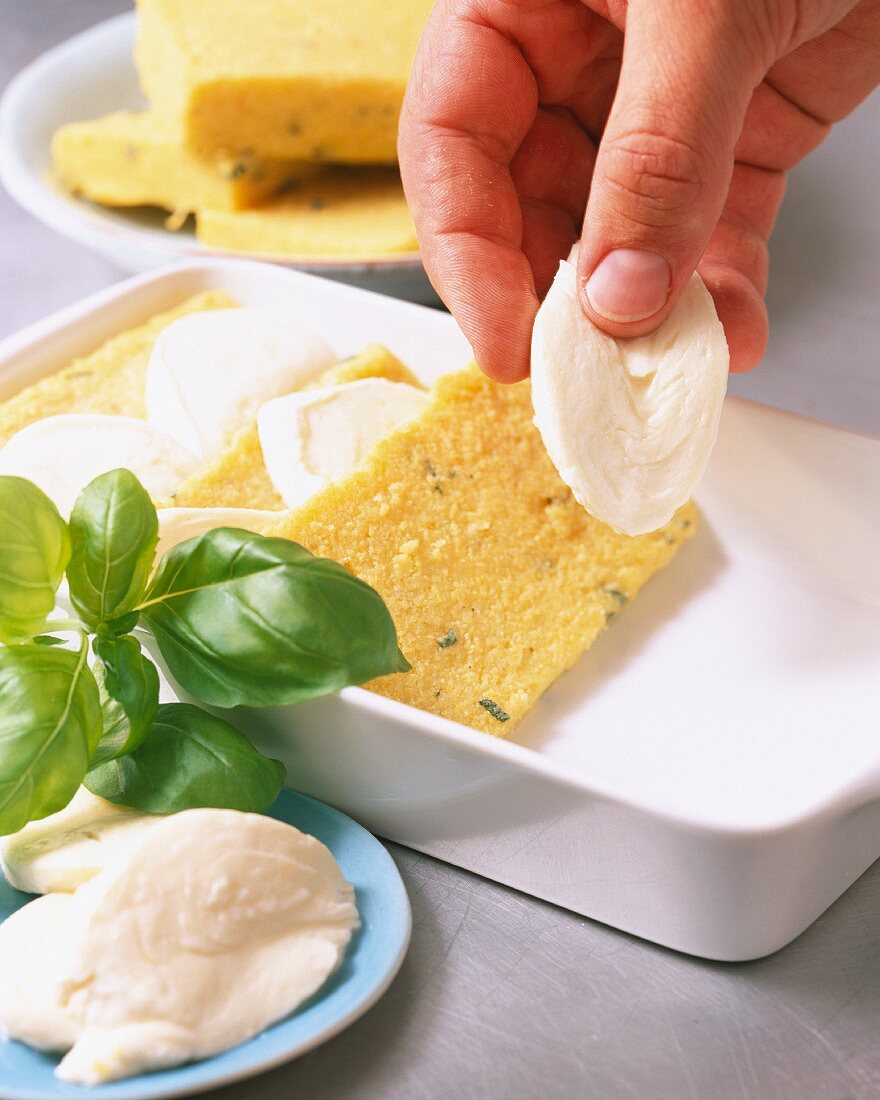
<point x="505" y="997"/>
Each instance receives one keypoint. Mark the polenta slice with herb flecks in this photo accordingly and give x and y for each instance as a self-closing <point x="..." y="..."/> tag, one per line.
<point x="109" y="380"/>
<point x="373" y="361"/>
<point x="130" y="158"/>
<point x="349" y="213"/>
<point x="496" y="578"/>
<point x="238" y="478"/>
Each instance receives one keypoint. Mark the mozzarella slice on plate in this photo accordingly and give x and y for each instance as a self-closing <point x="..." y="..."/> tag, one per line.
<point x="179" y="524"/>
<point x="36" y="950"/>
<point x="629" y="423"/>
<point x="214" y="925"/>
<point x="209" y="372"/>
<point x="66" y="849"/>
<point x="310" y="439"/>
<point x="62" y="454"/>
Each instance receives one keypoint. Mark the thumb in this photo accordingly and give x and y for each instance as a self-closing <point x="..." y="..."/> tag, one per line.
<point x="666" y="156"/>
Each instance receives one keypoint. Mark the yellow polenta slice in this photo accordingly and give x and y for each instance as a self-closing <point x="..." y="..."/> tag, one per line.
<point x="238" y="479"/>
<point x="109" y="380"/>
<point x="347" y="213"/>
<point x="130" y="159"/>
<point x="496" y="578"/>
<point x="318" y="80"/>
<point x="374" y="361"/>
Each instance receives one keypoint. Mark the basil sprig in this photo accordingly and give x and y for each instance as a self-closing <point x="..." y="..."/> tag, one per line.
<point x="239" y="619"/>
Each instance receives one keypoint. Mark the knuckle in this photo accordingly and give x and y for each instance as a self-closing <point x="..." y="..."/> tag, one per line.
<point x="740" y="247"/>
<point x="659" y="177"/>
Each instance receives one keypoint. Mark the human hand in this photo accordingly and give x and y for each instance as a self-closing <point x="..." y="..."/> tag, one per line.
<point x="671" y="123"/>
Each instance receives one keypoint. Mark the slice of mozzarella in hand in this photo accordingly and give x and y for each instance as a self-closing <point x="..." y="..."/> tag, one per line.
<point x="179" y="524"/>
<point x="66" y="849"/>
<point x="209" y="372"/>
<point x="629" y="423"/>
<point x="62" y="454"/>
<point x="310" y="439"/>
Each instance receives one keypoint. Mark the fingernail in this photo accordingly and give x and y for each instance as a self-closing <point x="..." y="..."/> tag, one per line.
<point x="629" y="285"/>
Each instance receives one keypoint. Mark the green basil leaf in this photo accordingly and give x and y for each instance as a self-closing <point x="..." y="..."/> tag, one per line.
<point x="50" y="723"/>
<point x="114" y="531"/>
<point x="191" y="758"/>
<point x="47" y="639"/>
<point x="34" y="550"/>
<point x="128" y="684"/>
<point x="244" y="619"/>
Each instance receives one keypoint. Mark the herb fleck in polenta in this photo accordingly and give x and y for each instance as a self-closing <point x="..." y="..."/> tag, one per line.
<point x="497" y="713"/>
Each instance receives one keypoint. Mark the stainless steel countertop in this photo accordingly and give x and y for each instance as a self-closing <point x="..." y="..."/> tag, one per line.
<point x="505" y="997"/>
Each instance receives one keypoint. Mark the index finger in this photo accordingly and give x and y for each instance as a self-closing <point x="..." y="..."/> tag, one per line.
<point x="471" y="100"/>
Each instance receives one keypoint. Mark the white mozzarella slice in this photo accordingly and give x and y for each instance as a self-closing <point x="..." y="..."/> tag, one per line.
<point x="37" y="944"/>
<point x="62" y="454"/>
<point x="312" y="438"/>
<point x="209" y="372"/>
<point x="629" y="423"/>
<point x="66" y="849"/>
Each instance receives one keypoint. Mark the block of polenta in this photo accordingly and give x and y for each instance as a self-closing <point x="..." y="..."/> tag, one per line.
<point x="350" y="214"/>
<point x="130" y="159"/>
<point x="322" y="80"/>
<point x="496" y="578"/>
<point x="109" y="380"/>
<point x="238" y="476"/>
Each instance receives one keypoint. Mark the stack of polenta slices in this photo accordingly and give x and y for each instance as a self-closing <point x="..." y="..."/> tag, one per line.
<point x="273" y="123"/>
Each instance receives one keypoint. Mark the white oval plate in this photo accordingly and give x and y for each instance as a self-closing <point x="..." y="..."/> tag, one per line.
<point x="92" y="74"/>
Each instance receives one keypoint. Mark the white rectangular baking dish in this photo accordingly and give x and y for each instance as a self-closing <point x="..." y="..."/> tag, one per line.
<point x="708" y="775"/>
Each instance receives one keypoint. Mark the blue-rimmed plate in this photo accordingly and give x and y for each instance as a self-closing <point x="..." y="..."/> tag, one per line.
<point x="373" y="958"/>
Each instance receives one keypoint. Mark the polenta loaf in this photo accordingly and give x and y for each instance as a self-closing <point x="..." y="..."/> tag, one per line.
<point x="129" y="158"/>
<point x="347" y="213"/>
<point x="496" y="578"/>
<point x="238" y="477"/>
<point x="322" y="80"/>
<point x="108" y="380"/>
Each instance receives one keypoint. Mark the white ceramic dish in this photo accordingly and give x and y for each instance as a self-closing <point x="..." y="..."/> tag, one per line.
<point x="708" y="775"/>
<point x="90" y="75"/>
